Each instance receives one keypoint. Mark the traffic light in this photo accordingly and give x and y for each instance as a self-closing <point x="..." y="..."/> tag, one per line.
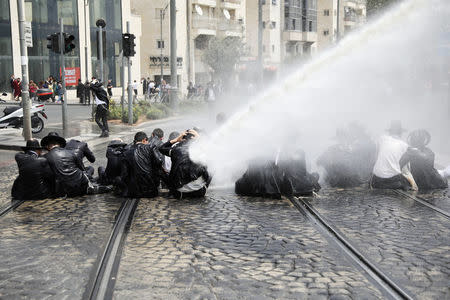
<point x="68" y="43"/>
<point x="128" y="44"/>
<point x="53" y="42"/>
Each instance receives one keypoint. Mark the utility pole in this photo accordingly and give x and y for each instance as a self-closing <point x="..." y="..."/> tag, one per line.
<point x="260" y="42"/>
<point x="101" y="24"/>
<point x="63" y="76"/>
<point x="338" y="33"/>
<point x="162" y="14"/>
<point x="122" y="99"/>
<point x="130" y="88"/>
<point x="188" y="33"/>
<point x="173" y="53"/>
<point x="86" y="4"/>
<point x="24" y="63"/>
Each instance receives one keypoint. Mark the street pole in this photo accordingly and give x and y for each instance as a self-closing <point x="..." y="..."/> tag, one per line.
<point x="260" y="42"/>
<point x="100" y="46"/>
<point x="63" y="77"/>
<point x="24" y="63"/>
<point x="86" y="3"/>
<point x="130" y="88"/>
<point x="337" y="21"/>
<point x="122" y="100"/>
<point x="173" y="53"/>
<point x="161" y="14"/>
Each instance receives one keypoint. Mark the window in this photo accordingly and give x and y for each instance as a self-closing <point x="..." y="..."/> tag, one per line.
<point x="326" y="32"/>
<point x="274" y="24"/>
<point x="310" y="26"/>
<point x="263" y="24"/>
<point x="293" y="24"/>
<point x="273" y="48"/>
<point x="160" y="44"/>
<point x="263" y="2"/>
<point x="326" y="12"/>
<point x="274" y="2"/>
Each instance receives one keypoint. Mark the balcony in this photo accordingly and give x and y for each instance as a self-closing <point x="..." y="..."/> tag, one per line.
<point x="204" y="26"/>
<point x="230" y="27"/>
<point x="211" y="3"/>
<point x="230" y="4"/>
<point x="300" y="36"/>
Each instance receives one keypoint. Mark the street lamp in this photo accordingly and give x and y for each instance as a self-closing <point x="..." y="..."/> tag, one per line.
<point x="100" y="25"/>
<point x="161" y="16"/>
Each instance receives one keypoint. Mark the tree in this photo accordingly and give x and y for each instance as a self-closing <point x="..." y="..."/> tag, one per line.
<point x="222" y="55"/>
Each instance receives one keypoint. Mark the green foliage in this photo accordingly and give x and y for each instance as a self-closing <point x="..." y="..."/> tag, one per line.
<point x="142" y="108"/>
<point x="155" y="113"/>
<point x="135" y="115"/>
<point x="223" y="54"/>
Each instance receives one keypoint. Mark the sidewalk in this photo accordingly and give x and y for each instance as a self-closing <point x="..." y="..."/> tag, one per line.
<point x="71" y="101"/>
<point x="12" y="139"/>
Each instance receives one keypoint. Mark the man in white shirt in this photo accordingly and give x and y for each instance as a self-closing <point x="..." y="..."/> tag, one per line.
<point x="387" y="173"/>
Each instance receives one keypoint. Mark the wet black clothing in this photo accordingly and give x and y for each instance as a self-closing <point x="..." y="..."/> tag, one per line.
<point x="80" y="92"/>
<point x="183" y="170"/>
<point x="139" y="173"/>
<point x="422" y="169"/>
<point x="35" y="180"/>
<point x="348" y="166"/>
<point x="398" y="182"/>
<point x="101" y="117"/>
<point x="68" y="170"/>
<point x="260" y="179"/>
<point x="87" y="93"/>
<point x="81" y="150"/>
<point x="111" y="174"/>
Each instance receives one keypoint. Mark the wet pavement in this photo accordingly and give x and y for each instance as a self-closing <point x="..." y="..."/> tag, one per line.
<point x="405" y="239"/>
<point x="438" y="198"/>
<point x="230" y="247"/>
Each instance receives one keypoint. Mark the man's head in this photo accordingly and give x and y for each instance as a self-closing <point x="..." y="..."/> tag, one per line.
<point x="396" y="128"/>
<point x="158" y="132"/>
<point x="52" y="140"/>
<point x="140" y="137"/>
<point x="419" y="138"/>
<point x="33" y="145"/>
<point x="173" y="135"/>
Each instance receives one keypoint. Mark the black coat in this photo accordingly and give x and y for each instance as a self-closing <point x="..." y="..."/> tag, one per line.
<point x="100" y="92"/>
<point x="35" y="180"/>
<point x="139" y="174"/>
<point x="70" y="178"/>
<point x="183" y="170"/>
<point x="113" y="170"/>
<point x="422" y="169"/>
<point x="80" y="90"/>
<point x="81" y="150"/>
<point x="260" y="179"/>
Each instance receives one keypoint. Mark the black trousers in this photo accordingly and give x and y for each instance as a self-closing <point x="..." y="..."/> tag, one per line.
<point x="394" y="183"/>
<point x="195" y="194"/>
<point x="101" y="117"/>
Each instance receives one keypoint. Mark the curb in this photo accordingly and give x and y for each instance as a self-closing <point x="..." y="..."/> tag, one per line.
<point x="113" y="136"/>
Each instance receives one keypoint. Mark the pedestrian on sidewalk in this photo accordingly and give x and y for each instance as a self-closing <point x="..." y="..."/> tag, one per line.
<point x="135" y="89"/>
<point x="17" y="84"/>
<point x="80" y="91"/>
<point x="102" y="102"/>
<point x="11" y="82"/>
<point x="109" y="87"/>
<point x="87" y="93"/>
<point x="59" y="92"/>
<point x="33" y="89"/>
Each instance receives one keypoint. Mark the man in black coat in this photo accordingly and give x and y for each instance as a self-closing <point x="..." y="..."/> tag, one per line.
<point x="81" y="150"/>
<point x="80" y="91"/>
<point x="139" y="169"/>
<point x="186" y="178"/>
<point x="36" y="179"/>
<point x="101" y="112"/>
<point x="114" y="155"/>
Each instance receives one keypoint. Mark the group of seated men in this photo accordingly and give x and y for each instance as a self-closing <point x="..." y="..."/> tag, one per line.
<point x="134" y="170"/>
<point x="390" y="163"/>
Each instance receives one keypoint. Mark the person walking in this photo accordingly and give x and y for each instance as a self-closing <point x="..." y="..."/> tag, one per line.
<point x="11" y="83"/>
<point x="135" y="89"/>
<point x="17" y="89"/>
<point x="87" y="93"/>
<point x="80" y="91"/>
<point x="102" y="102"/>
<point x="33" y="89"/>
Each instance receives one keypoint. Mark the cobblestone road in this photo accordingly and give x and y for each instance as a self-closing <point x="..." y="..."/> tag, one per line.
<point x="407" y="240"/>
<point x="229" y="247"/>
<point x="439" y="198"/>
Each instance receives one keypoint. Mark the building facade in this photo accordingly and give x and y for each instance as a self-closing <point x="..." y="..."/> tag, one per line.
<point x="352" y="14"/>
<point x="197" y="21"/>
<point x="79" y="18"/>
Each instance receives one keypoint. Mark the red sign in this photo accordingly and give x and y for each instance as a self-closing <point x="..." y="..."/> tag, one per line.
<point x="72" y="75"/>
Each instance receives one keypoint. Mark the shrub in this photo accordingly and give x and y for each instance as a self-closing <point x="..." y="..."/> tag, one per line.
<point x="155" y="113"/>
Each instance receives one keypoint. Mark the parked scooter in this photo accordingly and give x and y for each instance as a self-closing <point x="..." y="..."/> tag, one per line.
<point x="13" y="117"/>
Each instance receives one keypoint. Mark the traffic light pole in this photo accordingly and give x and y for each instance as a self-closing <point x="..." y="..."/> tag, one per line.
<point x="63" y="77"/>
<point x="173" y="54"/>
<point x="100" y="47"/>
<point x="130" y="88"/>
<point x="24" y="62"/>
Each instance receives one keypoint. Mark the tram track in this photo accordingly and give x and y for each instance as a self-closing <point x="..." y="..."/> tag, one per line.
<point x="423" y="202"/>
<point x="103" y="279"/>
<point x="389" y="287"/>
<point x="11" y="206"/>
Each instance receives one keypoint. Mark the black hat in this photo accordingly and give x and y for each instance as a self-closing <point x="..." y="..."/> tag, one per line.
<point x="53" y="137"/>
<point x="396" y="127"/>
<point x="116" y="143"/>
<point x="32" y="145"/>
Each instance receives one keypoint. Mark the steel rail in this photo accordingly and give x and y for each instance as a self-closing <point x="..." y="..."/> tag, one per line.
<point x="388" y="285"/>
<point x="424" y="202"/>
<point x="105" y="274"/>
<point x="13" y="205"/>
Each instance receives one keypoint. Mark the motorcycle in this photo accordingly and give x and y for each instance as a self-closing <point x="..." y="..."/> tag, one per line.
<point x="13" y="117"/>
